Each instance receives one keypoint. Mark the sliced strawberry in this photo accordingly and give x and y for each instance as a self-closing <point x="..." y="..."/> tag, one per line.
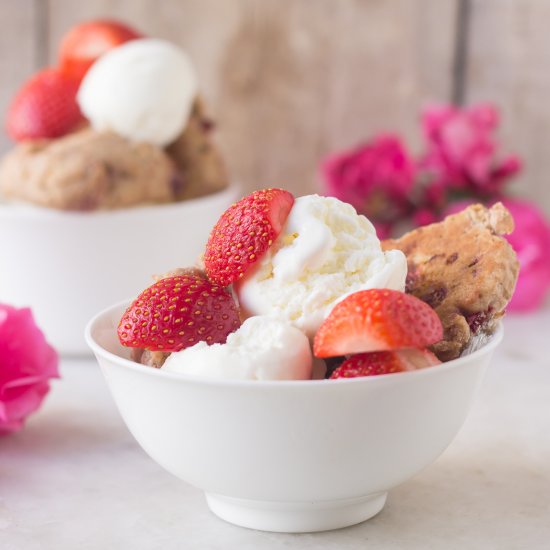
<point x="385" y="362"/>
<point x="45" y="107"/>
<point x="244" y="233"/>
<point x="176" y="313"/>
<point x="83" y="44"/>
<point x="377" y="320"/>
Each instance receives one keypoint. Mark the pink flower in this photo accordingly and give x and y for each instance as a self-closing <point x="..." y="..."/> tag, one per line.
<point x="27" y="362"/>
<point x="457" y="206"/>
<point x="424" y="216"/>
<point x="462" y="150"/>
<point x="376" y="178"/>
<point x="383" y="230"/>
<point x="531" y="241"/>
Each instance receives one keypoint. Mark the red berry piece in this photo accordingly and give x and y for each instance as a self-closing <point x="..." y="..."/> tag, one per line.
<point x="86" y="42"/>
<point x="244" y="233"/>
<point x="385" y="362"/>
<point x="377" y="320"/>
<point x="176" y="313"/>
<point x="45" y="107"/>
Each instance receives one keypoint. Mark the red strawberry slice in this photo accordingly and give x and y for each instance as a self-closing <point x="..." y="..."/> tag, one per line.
<point x="83" y="44"/>
<point x="45" y="107"/>
<point x="377" y="320"/>
<point x="176" y="313"/>
<point x="385" y="362"/>
<point x="244" y="233"/>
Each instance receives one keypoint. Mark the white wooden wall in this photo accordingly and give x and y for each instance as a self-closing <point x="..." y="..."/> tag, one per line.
<point x="289" y="80"/>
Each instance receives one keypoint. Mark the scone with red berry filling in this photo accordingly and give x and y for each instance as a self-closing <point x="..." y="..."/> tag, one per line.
<point x="464" y="269"/>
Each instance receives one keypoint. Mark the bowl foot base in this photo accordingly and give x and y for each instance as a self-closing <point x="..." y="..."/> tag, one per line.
<point x="295" y="517"/>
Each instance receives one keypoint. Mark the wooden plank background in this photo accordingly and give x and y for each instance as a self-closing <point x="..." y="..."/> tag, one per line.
<point x="290" y="80"/>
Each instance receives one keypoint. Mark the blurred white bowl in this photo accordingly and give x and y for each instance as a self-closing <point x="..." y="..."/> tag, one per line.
<point x="68" y="265"/>
<point x="290" y="456"/>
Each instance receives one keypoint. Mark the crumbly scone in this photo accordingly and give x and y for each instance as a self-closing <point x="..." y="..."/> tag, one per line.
<point x="197" y="158"/>
<point x="464" y="269"/>
<point x="153" y="359"/>
<point x="88" y="170"/>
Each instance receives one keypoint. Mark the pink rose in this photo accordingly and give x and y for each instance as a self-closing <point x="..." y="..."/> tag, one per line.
<point x="424" y="216"/>
<point x="27" y="362"/>
<point x="383" y="230"/>
<point x="462" y="150"/>
<point x="376" y="178"/>
<point x="531" y="241"/>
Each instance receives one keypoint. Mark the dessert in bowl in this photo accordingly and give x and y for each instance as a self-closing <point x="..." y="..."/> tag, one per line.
<point x="214" y="372"/>
<point x="291" y="456"/>
<point x="113" y="153"/>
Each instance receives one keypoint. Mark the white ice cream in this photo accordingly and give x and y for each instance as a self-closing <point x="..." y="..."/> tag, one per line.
<point x="263" y="348"/>
<point x="142" y="90"/>
<point x="325" y="252"/>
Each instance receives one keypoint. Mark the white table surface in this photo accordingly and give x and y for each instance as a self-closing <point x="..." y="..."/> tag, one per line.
<point x="75" y="478"/>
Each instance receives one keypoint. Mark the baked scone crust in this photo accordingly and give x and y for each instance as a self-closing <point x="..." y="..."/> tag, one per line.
<point x="87" y="170"/>
<point x="197" y="158"/>
<point x="464" y="269"/>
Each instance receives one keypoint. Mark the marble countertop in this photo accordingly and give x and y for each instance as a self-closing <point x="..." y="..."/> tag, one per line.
<point x="75" y="478"/>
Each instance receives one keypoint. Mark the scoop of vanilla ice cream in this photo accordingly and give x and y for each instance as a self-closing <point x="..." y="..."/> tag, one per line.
<point x="263" y="348"/>
<point x="325" y="252"/>
<point x="142" y="90"/>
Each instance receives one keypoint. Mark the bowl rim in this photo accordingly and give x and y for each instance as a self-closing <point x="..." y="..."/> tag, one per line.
<point x="26" y="210"/>
<point x="138" y="368"/>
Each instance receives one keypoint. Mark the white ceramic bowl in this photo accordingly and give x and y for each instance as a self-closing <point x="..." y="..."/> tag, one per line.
<point x="290" y="456"/>
<point x="68" y="265"/>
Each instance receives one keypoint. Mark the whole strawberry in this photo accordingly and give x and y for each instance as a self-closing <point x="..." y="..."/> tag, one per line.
<point x="385" y="362"/>
<point x="377" y="320"/>
<point x="45" y="107"/>
<point x="176" y="313"/>
<point x="85" y="42"/>
<point x="244" y="233"/>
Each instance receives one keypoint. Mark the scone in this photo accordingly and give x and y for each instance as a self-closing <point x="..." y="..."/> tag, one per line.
<point x="88" y="170"/>
<point x="156" y="359"/>
<point x="148" y="358"/>
<point x="464" y="269"/>
<point x="199" y="163"/>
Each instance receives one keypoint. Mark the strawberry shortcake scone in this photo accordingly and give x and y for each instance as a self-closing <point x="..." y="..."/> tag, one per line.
<point x="119" y="122"/>
<point x="285" y="283"/>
